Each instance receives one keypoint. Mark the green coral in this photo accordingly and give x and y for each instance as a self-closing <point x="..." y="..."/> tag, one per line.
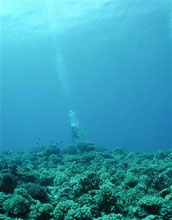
<point x="79" y="213"/>
<point x="16" y="206"/>
<point x="85" y="183"/>
<point x="151" y="204"/>
<point x="8" y="182"/>
<point x="46" y="176"/>
<point x="88" y="181"/>
<point x="37" y="191"/>
<point x="131" y="181"/>
<point x="111" y="217"/>
<point x="60" y="178"/>
<point x="86" y="146"/>
<point x="61" y="210"/>
<point x="41" y="211"/>
<point x="4" y="217"/>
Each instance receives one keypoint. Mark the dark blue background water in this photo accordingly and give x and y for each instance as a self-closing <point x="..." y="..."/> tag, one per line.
<point x="109" y="61"/>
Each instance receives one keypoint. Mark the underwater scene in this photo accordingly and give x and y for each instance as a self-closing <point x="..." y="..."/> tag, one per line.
<point x="85" y="109"/>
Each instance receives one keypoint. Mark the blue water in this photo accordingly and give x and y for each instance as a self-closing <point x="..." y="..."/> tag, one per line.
<point x="107" y="60"/>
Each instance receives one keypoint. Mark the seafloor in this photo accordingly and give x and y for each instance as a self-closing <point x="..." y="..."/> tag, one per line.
<point x="85" y="182"/>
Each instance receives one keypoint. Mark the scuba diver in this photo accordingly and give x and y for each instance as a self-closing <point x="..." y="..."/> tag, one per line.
<point x="77" y="131"/>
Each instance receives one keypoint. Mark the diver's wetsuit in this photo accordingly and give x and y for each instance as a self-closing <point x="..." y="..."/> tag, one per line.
<point x="75" y="133"/>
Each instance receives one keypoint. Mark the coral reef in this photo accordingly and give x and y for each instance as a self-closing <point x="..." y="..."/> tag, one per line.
<point x="85" y="182"/>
